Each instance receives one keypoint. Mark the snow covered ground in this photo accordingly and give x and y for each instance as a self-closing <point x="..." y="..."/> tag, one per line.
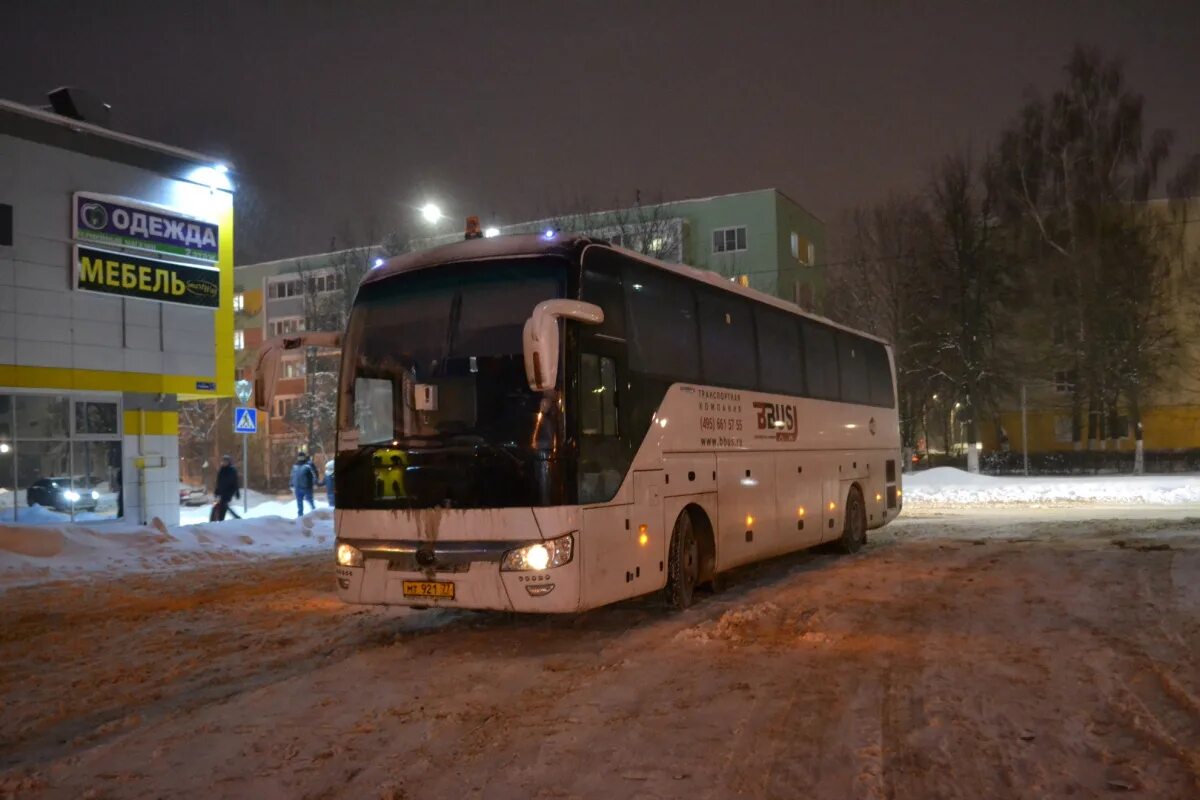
<point x="1014" y="656"/>
<point x="31" y="553"/>
<point x="46" y="545"/>
<point x="946" y="486"/>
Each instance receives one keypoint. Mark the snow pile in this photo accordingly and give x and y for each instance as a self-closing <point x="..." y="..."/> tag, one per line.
<point x="31" y="553"/>
<point x="946" y="486"/>
<point x="737" y="625"/>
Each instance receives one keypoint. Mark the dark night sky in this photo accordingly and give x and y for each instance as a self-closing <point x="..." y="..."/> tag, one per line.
<point x="344" y="116"/>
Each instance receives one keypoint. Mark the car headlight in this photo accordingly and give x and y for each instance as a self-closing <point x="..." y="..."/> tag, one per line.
<point x="95" y="495"/>
<point x="71" y="495"/>
<point x="540" y="556"/>
<point x="349" y="556"/>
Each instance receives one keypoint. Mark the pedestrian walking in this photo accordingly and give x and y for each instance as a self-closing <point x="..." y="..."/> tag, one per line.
<point x="226" y="489"/>
<point x="304" y="478"/>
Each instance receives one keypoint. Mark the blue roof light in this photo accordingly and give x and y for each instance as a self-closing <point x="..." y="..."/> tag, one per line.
<point x="549" y="234"/>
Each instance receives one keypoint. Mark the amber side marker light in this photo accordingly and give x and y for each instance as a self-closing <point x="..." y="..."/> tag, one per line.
<point x="643" y="537"/>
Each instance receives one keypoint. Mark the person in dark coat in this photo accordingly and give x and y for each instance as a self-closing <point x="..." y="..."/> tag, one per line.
<point x="304" y="478"/>
<point x="225" y="490"/>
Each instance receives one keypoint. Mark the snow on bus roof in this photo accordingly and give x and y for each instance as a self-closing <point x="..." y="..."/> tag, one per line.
<point x="566" y="245"/>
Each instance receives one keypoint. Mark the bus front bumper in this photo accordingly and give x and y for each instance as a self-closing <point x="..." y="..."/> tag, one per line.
<point x="454" y="575"/>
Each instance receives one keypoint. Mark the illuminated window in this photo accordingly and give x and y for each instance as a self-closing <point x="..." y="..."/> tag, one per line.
<point x="293" y="369"/>
<point x="743" y="280"/>
<point x="729" y="240"/>
<point x="239" y="340"/>
<point x="239" y="301"/>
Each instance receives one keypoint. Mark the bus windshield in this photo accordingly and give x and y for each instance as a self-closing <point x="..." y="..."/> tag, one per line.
<point x="433" y="367"/>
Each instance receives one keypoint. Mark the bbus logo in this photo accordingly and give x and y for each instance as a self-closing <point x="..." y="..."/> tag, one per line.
<point x="779" y="418"/>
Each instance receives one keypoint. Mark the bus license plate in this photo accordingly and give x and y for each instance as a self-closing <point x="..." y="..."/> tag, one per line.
<point x="429" y="589"/>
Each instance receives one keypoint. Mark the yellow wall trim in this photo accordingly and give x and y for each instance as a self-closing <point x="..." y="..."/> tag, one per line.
<point x="102" y="381"/>
<point x="158" y="423"/>
<point x="1163" y="428"/>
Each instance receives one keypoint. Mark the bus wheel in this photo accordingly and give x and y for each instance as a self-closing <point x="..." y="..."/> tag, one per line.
<point x="683" y="565"/>
<point x="854" y="529"/>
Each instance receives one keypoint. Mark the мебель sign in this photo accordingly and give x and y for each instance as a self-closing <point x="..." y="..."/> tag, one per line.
<point x="117" y="221"/>
<point x="146" y="278"/>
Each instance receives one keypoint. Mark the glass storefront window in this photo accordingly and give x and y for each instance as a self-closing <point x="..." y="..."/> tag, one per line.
<point x="40" y="417"/>
<point x="53" y="471"/>
<point x="43" y="480"/>
<point x="95" y="418"/>
<point x="97" y="480"/>
<point x="8" y="478"/>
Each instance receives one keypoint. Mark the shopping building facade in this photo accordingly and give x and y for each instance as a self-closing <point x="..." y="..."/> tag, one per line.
<point x="116" y="265"/>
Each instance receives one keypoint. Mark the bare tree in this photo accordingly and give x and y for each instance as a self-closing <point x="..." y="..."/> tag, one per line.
<point x="329" y="288"/>
<point x="649" y="229"/>
<point x="1076" y="172"/>
<point x="199" y="432"/>
<point x="880" y="283"/>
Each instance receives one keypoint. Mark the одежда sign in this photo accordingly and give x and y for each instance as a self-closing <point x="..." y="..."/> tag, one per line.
<point x="117" y="221"/>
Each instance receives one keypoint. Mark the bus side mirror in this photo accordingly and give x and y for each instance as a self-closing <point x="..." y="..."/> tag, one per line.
<point x="540" y="338"/>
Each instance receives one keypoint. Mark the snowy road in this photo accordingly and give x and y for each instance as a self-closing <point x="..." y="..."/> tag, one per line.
<point x="1046" y="655"/>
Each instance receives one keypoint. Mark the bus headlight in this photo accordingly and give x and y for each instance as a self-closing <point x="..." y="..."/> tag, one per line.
<point x="540" y="556"/>
<point x="349" y="556"/>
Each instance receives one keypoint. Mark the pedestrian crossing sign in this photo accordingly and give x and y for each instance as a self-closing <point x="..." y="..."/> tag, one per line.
<point x="245" y="420"/>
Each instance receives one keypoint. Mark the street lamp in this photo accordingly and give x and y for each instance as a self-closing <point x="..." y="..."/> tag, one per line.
<point x="431" y="213"/>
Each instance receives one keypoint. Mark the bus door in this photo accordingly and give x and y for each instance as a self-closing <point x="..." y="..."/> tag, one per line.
<point x="608" y="548"/>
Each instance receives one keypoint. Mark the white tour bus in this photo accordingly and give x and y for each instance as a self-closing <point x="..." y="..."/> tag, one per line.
<point x="550" y="423"/>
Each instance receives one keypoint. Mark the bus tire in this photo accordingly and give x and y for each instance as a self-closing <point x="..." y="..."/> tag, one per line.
<point x="854" y="528"/>
<point x="683" y="563"/>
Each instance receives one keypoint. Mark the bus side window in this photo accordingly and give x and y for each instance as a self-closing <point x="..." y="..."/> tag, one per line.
<point x="820" y="361"/>
<point x="603" y="460"/>
<point x="602" y="286"/>
<point x="727" y="347"/>
<point x="598" y="396"/>
<point x="852" y="366"/>
<point x="780" y="357"/>
<point x="661" y="324"/>
<point x="879" y="374"/>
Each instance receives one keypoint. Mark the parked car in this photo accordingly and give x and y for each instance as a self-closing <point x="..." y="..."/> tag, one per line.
<point x="57" y="493"/>
<point x="193" y="496"/>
